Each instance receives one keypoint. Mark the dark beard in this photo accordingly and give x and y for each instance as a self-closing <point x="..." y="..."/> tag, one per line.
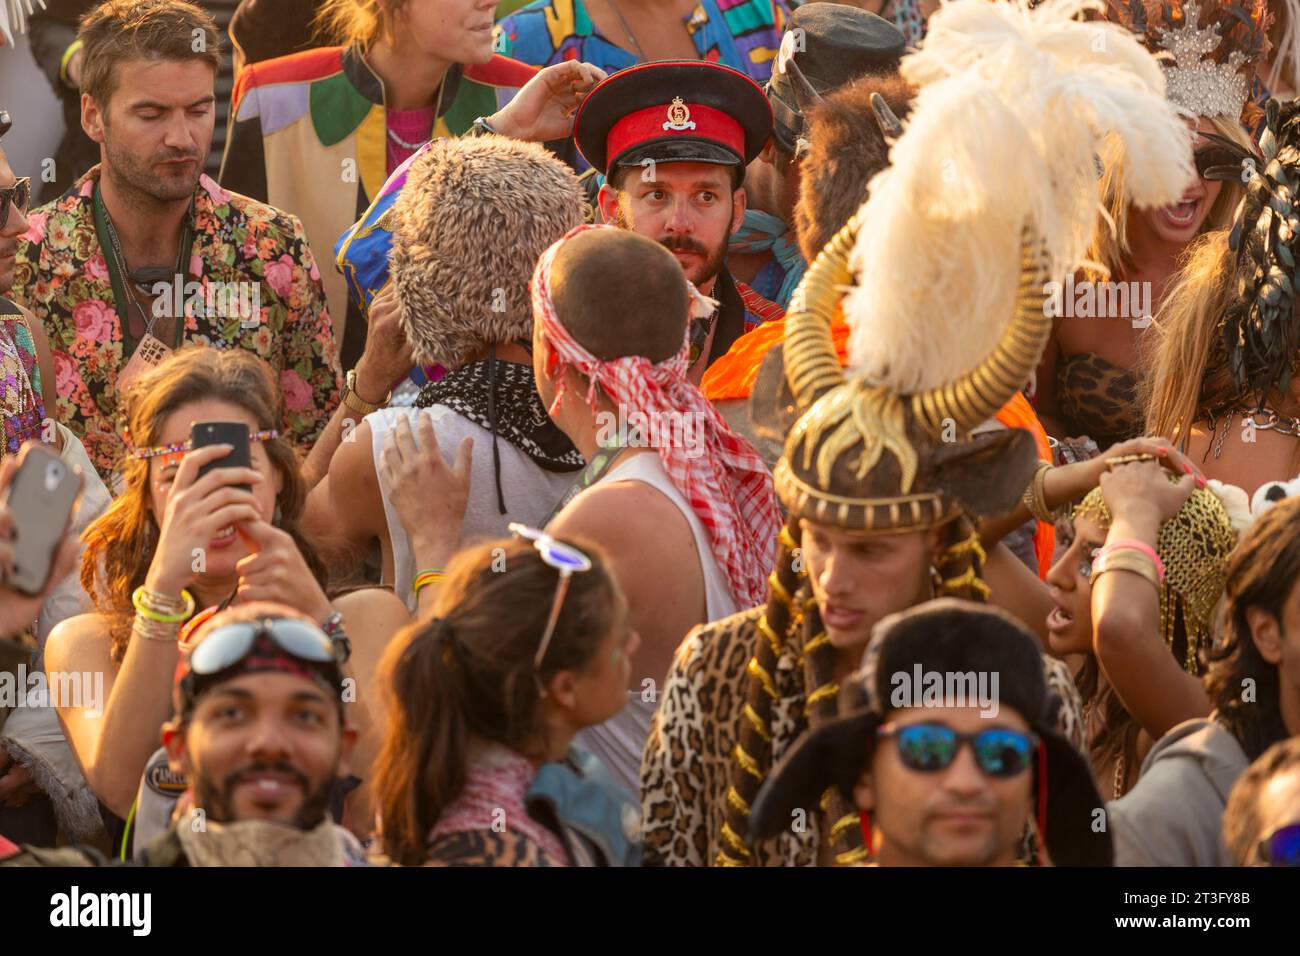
<point x="712" y="257"/>
<point x="135" y="178"/>
<point x="215" y="799"/>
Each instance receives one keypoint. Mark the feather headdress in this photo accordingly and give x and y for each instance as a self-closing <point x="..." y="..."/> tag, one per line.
<point x="1013" y="104"/>
<point x="13" y="17"/>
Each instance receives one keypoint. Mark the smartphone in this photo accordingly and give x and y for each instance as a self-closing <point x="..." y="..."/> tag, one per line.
<point x="41" y="499"/>
<point x="234" y="434"/>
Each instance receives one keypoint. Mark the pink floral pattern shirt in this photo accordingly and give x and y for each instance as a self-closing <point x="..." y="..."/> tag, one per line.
<point x="62" y="277"/>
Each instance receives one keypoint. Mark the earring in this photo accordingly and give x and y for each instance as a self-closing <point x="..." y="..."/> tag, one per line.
<point x="277" y="516"/>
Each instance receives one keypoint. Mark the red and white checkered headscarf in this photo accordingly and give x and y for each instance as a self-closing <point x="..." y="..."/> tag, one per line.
<point x="728" y="486"/>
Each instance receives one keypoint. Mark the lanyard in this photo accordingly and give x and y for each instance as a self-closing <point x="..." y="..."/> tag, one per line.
<point x="120" y="277"/>
<point x="594" y="471"/>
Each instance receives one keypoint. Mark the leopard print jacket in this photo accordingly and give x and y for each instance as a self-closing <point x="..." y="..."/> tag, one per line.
<point x="487" y="848"/>
<point x="687" y="763"/>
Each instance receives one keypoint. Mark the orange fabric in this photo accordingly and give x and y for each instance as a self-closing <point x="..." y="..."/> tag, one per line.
<point x="733" y="375"/>
<point x="1018" y="413"/>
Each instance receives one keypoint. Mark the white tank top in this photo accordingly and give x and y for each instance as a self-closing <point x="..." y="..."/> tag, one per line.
<point x="530" y="491"/>
<point x="619" y="741"/>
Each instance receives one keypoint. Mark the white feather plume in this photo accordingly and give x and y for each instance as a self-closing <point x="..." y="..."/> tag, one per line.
<point x="1012" y="108"/>
<point x="13" y="17"/>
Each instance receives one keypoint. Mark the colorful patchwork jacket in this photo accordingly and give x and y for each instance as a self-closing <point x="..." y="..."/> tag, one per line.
<point x="309" y="135"/>
<point x="742" y="34"/>
<point x="62" y="276"/>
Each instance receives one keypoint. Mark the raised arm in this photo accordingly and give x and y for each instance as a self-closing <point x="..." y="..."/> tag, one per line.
<point x="1127" y="638"/>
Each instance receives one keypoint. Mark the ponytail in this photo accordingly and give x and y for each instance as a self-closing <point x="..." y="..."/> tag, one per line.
<point x="421" y="766"/>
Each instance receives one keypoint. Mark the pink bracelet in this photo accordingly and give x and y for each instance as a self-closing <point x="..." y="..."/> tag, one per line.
<point x="1134" y="545"/>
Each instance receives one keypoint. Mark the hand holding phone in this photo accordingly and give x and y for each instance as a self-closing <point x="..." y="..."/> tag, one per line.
<point x="40" y="498"/>
<point x="210" y="492"/>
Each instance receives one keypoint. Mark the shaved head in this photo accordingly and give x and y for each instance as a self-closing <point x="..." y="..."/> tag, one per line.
<point x="619" y="293"/>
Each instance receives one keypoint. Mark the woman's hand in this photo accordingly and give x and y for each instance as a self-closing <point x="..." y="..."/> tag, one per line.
<point x="544" y="107"/>
<point x="196" y="511"/>
<point x="1071" y="482"/>
<point x="429" y="496"/>
<point x="276" y="571"/>
<point x="1142" y="494"/>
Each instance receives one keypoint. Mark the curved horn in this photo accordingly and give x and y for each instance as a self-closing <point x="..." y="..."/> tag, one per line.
<point x="804" y="93"/>
<point x="976" y="396"/>
<point x="890" y="125"/>
<point x="811" y="365"/>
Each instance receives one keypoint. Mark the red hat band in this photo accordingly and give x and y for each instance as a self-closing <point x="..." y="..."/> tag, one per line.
<point x="691" y="120"/>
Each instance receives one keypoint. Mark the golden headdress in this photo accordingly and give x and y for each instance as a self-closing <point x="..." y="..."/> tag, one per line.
<point x="1193" y="546"/>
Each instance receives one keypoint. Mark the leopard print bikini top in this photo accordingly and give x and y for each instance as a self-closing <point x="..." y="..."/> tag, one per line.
<point x="1097" y="398"/>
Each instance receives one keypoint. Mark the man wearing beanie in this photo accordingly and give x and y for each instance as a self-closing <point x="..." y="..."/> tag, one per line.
<point x="471" y="219"/>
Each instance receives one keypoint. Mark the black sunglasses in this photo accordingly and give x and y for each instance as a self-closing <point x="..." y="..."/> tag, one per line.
<point x="931" y="747"/>
<point x="1209" y="157"/>
<point x="20" y="194"/>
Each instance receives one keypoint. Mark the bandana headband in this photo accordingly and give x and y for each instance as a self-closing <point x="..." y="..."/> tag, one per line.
<point x="725" y="481"/>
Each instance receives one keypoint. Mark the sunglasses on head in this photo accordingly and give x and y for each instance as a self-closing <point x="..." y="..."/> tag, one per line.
<point x="231" y="643"/>
<point x="1282" y="846"/>
<point x="931" y="747"/>
<point x="566" y="559"/>
<point x="19" y="195"/>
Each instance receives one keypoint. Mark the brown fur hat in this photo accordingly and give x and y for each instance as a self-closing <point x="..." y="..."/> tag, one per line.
<point x="469" y="225"/>
<point x="846" y="149"/>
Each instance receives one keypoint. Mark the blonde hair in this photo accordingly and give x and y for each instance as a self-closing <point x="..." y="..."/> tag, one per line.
<point x="1109" y="254"/>
<point x="360" y="23"/>
<point x="1187" y="371"/>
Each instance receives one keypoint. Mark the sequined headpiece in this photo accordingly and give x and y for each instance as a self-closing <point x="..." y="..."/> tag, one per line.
<point x="1213" y="48"/>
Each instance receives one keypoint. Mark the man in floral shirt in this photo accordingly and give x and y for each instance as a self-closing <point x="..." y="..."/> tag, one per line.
<point x="144" y="254"/>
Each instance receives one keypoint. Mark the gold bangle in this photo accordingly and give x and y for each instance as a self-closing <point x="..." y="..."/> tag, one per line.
<point x="1146" y="571"/>
<point x="1035" y="495"/>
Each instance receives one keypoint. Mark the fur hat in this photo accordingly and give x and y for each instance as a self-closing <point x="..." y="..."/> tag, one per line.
<point x="847" y="147"/>
<point x="469" y="226"/>
<point x="947" y="637"/>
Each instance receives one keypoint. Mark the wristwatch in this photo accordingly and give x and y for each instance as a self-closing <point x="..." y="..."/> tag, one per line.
<point x="358" y="404"/>
<point x="333" y="628"/>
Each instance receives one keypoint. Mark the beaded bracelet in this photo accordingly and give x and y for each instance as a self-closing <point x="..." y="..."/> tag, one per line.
<point x="1132" y="544"/>
<point x="147" y="604"/>
<point x="149" y="630"/>
<point x="422" y="578"/>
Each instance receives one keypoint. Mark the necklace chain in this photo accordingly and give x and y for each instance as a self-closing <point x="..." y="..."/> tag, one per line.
<point x="640" y="55"/>
<point x="124" y="272"/>
<point x="437" y="108"/>
<point x="1272" y="422"/>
